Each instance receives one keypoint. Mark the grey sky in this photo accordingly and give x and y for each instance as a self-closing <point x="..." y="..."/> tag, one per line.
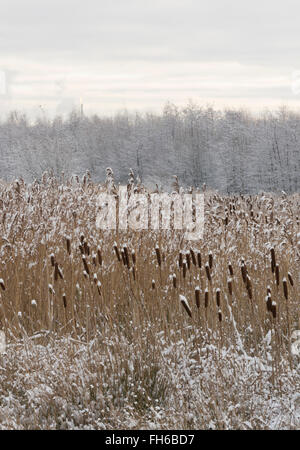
<point x="139" y="54"/>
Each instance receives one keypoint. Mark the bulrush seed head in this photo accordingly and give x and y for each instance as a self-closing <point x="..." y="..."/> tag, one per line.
<point x="185" y="305"/>
<point x="197" y="296"/>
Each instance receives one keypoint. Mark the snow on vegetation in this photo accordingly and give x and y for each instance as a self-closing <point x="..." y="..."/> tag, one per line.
<point x="112" y="330"/>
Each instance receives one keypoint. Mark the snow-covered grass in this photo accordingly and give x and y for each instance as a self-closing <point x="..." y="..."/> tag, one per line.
<point x="111" y="330"/>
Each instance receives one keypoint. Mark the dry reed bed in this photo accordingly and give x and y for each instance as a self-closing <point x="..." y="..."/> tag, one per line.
<point x="146" y="329"/>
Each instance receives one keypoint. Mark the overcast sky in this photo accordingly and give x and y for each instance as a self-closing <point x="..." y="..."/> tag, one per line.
<point x="138" y="54"/>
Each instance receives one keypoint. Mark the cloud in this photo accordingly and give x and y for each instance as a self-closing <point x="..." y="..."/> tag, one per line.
<point x="212" y="49"/>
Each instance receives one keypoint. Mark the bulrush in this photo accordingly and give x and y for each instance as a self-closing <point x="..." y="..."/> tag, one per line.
<point x="207" y="271"/>
<point x="133" y="272"/>
<point x="133" y="257"/>
<point x="285" y="288"/>
<point x="94" y="259"/>
<point x="199" y="260"/>
<point x="123" y="257"/>
<point x="174" y="280"/>
<point x="86" y="248"/>
<point x="99" y="287"/>
<point x="57" y="272"/>
<point x="218" y="297"/>
<point x="99" y="256"/>
<point x="220" y="315"/>
<point x="153" y="284"/>
<point x="188" y="260"/>
<point x="197" y="296"/>
<point x="229" y="284"/>
<point x="64" y="300"/>
<point x="2" y="284"/>
<point x="290" y="279"/>
<point x="185" y="305"/>
<point x="68" y="242"/>
<point x="206" y="296"/>
<point x="268" y="300"/>
<point x="210" y="260"/>
<point x="85" y="264"/>
<point x="274" y="311"/>
<point x="158" y="256"/>
<point x="249" y="286"/>
<point x="184" y="266"/>
<point x="52" y="259"/>
<point x="51" y="290"/>
<point x="244" y="271"/>
<point x="230" y="269"/>
<point x="85" y="274"/>
<point x="273" y="260"/>
<point x="193" y="257"/>
<point x="277" y="274"/>
<point x="117" y="251"/>
<point x="180" y="260"/>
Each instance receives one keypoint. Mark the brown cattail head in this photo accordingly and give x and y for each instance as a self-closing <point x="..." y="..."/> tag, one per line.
<point x="229" y="284"/>
<point x="133" y="257"/>
<point x="123" y="257"/>
<point x="185" y="305"/>
<point x="85" y="264"/>
<point x="184" y="266"/>
<point x="2" y="284"/>
<point x="82" y="238"/>
<point x="197" y="296"/>
<point x="285" y="289"/>
<point x="126" y="255"/>
<point x="99" y="287"/>
<point x="180" y="259"/>
<point x="218" y="297"/>
<point x="269" y="303"/>
<point x="220" y="315"/>
<point x="117" y="251"/>
<point x="52" y="259"/>
<point x="290" y="279"/>
<point x="206" y="298"/>
<point x="81" y="249"/>
<point x="55" y="271"/>
<point x="51" y="290"/>
<point x="244" y="271"/>
<point x="86" y="248"/>
<point x="68" y="241"/>
<point x="277" y="274"/>
<point x="153" y="284"/>
<point x="199" y="260"/>
<point x="249" y="286"/>
<point x="158" y="256"/>
<point x="133" y="272"/>
<point x="188" y="260"/>
<point x="99" y="256"/>
<point x="64" y="300"/>
<point x="273" y="260"/>
<point x="210" y="260"/>
<point x="274" y="311"/>
<point x="193" y="257"/>
<point x="174" y="280"/>
<point x="230" y="269"/>
<point x="94" y="259"/>
<point x="207" y="271"/>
